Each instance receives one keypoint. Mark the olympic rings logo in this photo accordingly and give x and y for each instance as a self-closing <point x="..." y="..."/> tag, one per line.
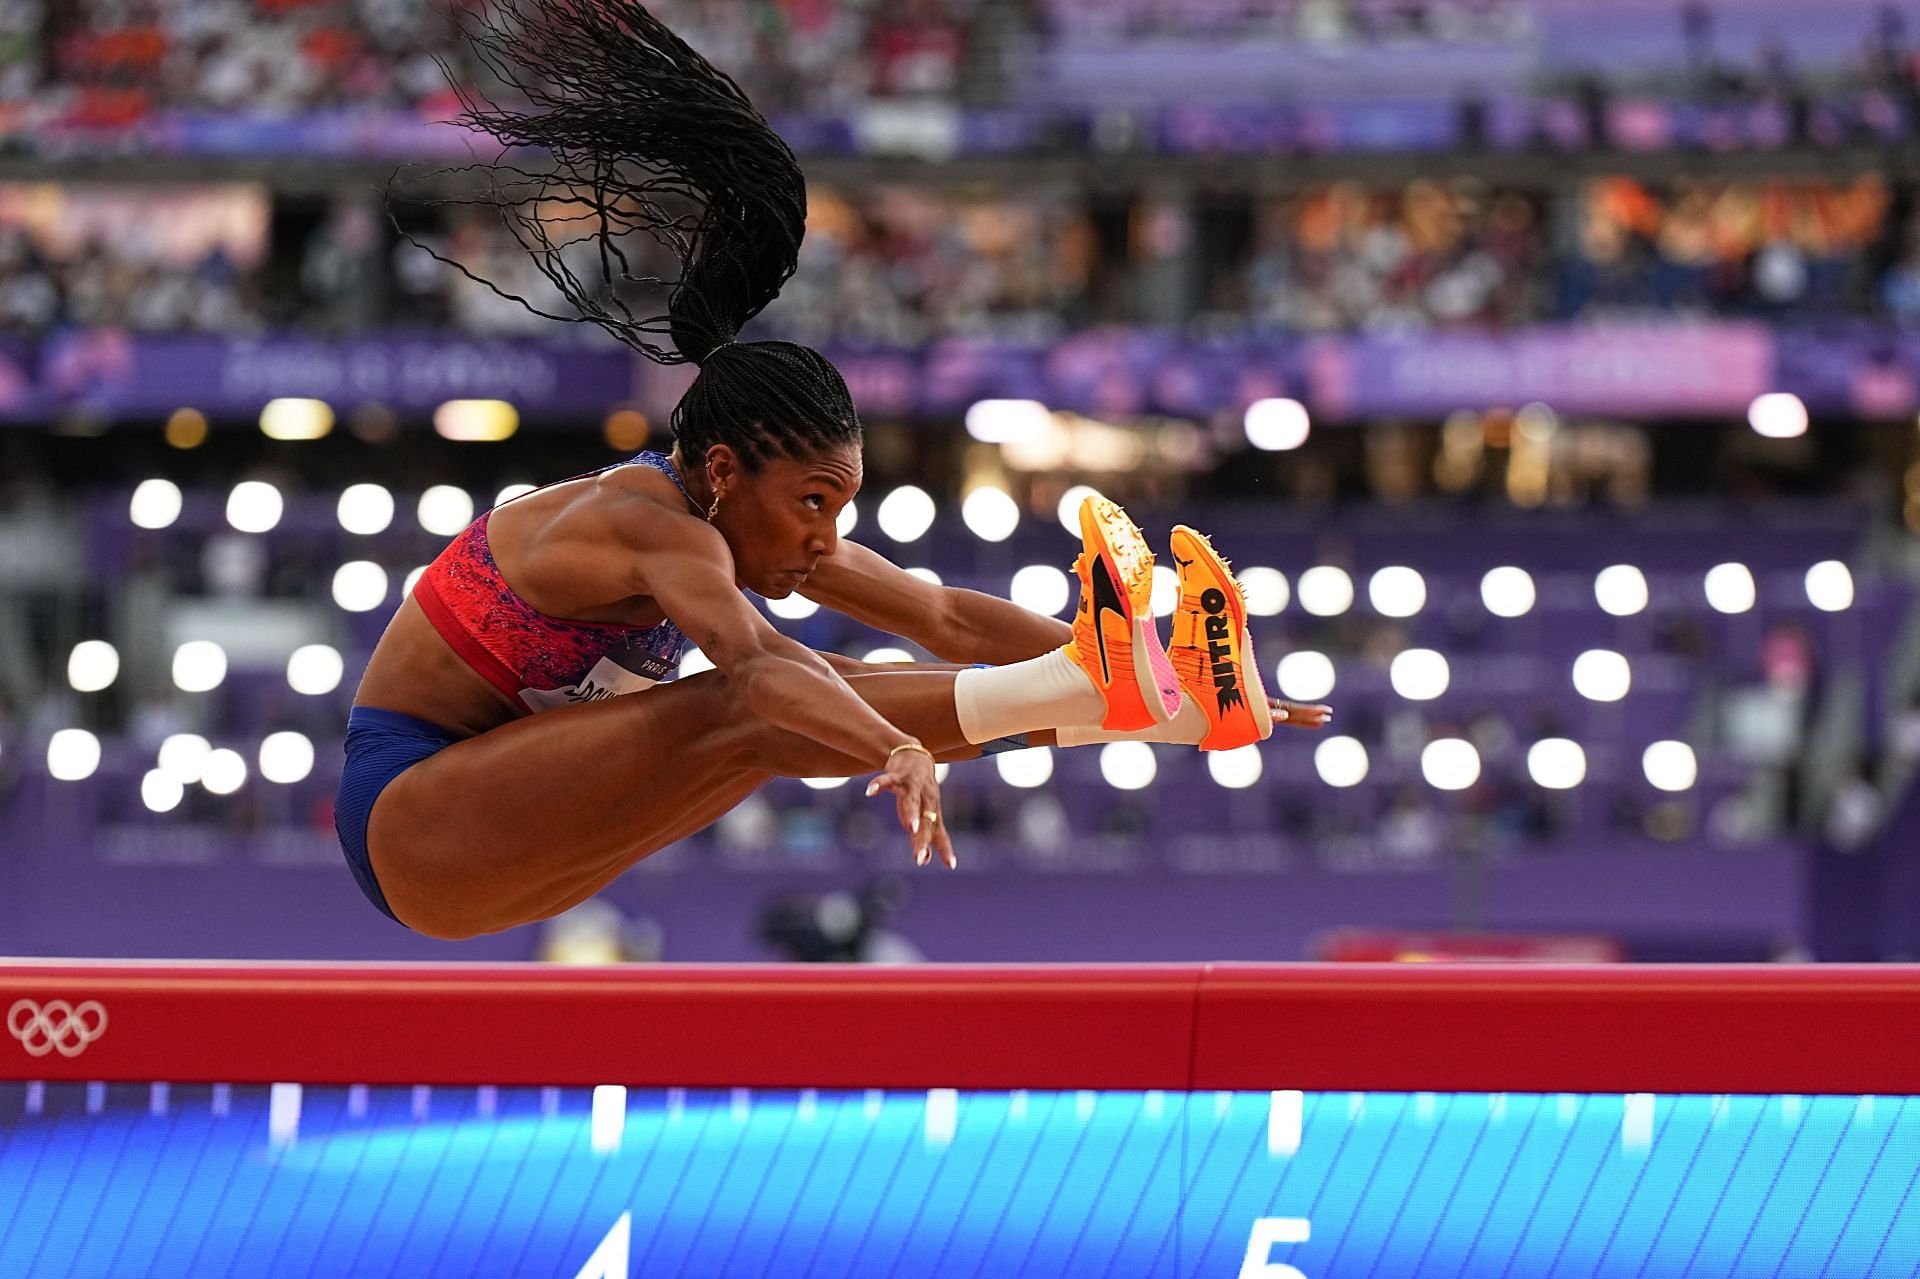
<point x="56" y="1026"/>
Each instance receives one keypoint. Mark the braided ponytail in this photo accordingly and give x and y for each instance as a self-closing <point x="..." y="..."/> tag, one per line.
<point x="643" y="135"/>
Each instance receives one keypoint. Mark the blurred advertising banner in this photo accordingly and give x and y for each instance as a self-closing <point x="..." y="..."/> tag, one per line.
<point x="114" y="373"/>
<point x="1640" y="371"/>
<point x="1644" y="371"/>
<point x="1361" y="946"/>
<point x="1401" y="116"/>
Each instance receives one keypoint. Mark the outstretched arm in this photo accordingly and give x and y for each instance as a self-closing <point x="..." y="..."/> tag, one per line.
<point x="954" y="625"/>
<point x="685" y="566"/>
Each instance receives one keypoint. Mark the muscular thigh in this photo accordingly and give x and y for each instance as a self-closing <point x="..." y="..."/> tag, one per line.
<point x="506" y="826"/>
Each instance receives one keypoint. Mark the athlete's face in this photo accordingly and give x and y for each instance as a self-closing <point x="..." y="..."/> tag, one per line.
<point x="783" y="519"/>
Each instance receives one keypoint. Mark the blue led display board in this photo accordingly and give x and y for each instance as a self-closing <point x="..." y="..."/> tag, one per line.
<point x="198" y="1182"/>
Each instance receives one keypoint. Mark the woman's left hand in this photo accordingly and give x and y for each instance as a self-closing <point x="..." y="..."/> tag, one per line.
<point x="1294" y="715"/>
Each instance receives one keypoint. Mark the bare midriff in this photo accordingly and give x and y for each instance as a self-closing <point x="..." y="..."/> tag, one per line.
<point x="415" y="672"/>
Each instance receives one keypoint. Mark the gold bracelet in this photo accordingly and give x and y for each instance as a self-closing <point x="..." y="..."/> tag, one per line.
<point x="908" y="746"/>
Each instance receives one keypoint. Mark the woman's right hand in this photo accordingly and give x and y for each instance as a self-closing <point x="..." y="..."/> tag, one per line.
<point x="909" y="775"/>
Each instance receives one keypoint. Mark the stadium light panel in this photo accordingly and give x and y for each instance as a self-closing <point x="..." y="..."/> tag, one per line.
<point x="445" y="510"/>
<point x="1450" y="763"/>
<point x="1305" y="675"/>
<point x="1557" y="763"/>
<point x="1602" y="675"/>
<point x="186" y="429"/>
<point x="1419" y="674"/>
<point x="1670" y="766"/>
<point x="73" y="754"/>
<point x="1508" y="592"/>
<point x="286" y="758"/>
<point x="155" y="504"/>
<point x="1068" y="512"/>
<point x="225" y="772"/>
<point x="906" y="514"/>
<point x="365" y="509"/>
<point x="315" y="669"/>
<point x="1779" y="415"/>
<point x="512" y="491"/>
<point x="476" y="421"/>
<point x="359" y="586"/>
<point x="1277" y="425"/>
<point x="199" y="666"/>
<point x="1397" y="591"/>
<point x="1041" y="588"/>
<point x="1830" y="586"/>
<point x="1236" y="769"/>
<point x="161" y="791"/>
<point x="1128" y="765"/>
<point x="794" y="608"/>
<point x="1730" y="588"/>
<point x="1026" y="769"/>
<point x="296" y="419"/>
<point x="183" y="757"/>
<point x="1166" y="591"/>
<point x="1005" y="421"/>
<point x="92" y="666"/>
<point x="1341" y="762"/>
<point x="1620" y="590"/>
<point x="1266" y="588"/>
<point x="1325" y="591"/>
<point x="254" y="506"/>
<point x="990" y="513"/>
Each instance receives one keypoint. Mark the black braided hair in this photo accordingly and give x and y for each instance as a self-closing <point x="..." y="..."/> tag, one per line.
<point x="642" y="134"/>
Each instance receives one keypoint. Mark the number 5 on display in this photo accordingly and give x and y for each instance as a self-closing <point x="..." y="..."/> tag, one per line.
<point x="1268" y="1231"/>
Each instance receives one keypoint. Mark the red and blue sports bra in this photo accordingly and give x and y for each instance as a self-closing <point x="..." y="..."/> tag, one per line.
<point x="540" y="661"/>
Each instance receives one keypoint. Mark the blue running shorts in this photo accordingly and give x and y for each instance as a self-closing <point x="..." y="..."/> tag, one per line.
<point x="381" y="745"/>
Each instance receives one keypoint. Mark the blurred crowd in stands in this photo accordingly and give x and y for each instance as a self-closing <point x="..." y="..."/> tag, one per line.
<point x="151" y="259"/>
<point x="1431" y="255"/>
<point x="1323" y="22"/>
<point x="1776" y="248"/>
<point x="900" y="265"/>
<point x="113" y="61"/>
<point x="101" y="63"/>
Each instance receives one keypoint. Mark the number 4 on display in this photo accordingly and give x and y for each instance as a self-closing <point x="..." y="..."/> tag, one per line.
<point x="611" y="1259"/>
<point x="1268" y="1231"/>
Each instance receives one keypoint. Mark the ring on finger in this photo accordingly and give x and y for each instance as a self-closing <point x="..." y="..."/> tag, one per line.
<point x="930" y="817"/>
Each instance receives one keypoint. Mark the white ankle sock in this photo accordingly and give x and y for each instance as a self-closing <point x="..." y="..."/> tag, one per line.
<point x="1046" y="692"/>
<point x="1187" y="728"/>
